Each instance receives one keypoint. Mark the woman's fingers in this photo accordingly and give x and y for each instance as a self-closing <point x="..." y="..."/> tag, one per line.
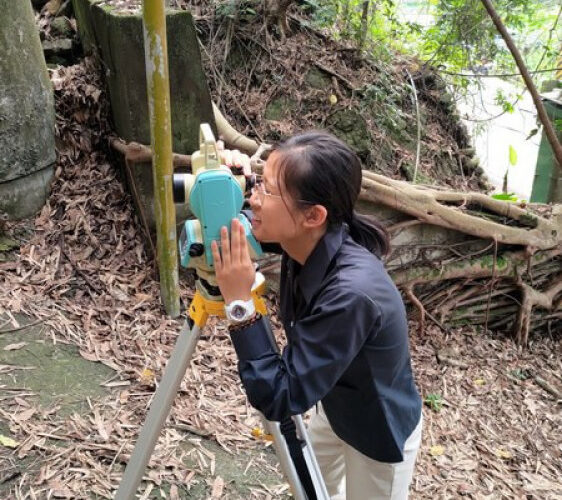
<point x="225" y="248"/>
<point x="235" y="243"/>
<point x="244" y="252"/>
<point x="233" y="250"/>
<point x="216" y="255"/>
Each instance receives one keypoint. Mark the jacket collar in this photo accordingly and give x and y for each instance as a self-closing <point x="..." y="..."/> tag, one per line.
<point x="316" y="266"/>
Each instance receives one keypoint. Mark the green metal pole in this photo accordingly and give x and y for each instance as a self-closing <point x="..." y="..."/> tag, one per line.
<point x="156" y="58"/>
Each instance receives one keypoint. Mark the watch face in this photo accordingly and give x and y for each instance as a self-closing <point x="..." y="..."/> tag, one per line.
<point x="238" y="312"/>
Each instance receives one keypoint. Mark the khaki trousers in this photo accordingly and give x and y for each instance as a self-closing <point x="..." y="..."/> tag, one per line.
<point x="350" y="475"/>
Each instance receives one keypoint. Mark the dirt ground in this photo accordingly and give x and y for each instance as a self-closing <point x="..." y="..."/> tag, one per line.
<point x="490" y="431"/>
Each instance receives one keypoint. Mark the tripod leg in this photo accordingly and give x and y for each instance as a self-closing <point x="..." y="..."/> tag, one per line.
<point x="310" y="458"/>
<point x="287" y="462"/>
<point x="285" y="459"/>
<point x="159" y="409"/>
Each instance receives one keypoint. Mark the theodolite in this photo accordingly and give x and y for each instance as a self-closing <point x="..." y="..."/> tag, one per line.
<point x="215" y="196"/>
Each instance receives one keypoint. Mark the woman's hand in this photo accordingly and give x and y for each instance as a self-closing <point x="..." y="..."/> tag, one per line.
<point x="234" y="158"/>
<point x="233" y="267"/>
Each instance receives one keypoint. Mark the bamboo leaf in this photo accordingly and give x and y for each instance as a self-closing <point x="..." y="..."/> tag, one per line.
<point x="512" y="156"/>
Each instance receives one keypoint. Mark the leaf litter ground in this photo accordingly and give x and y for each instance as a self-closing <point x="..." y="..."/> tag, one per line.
<point x="490" y="430"/>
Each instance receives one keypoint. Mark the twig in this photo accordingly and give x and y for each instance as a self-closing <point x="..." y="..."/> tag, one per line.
<point x="341" y="78"/>
<point x="491" y="283"/>
<point x="418" y="120"/>
<point x="498" y="75"/>
<point x="409" y="291"/>
<point x="144" y="220"/>
<point x="77" y="269"/>
<point x="541" y="382"/>
<point x="139" y="153"/>
<point x="525" y="74"/>
<point x="442" y="357"/>
<point x="29" y="325"/>
<point x="218" y="76"/>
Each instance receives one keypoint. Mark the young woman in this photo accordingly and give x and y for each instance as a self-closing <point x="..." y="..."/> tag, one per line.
<point x="344" y="319"/>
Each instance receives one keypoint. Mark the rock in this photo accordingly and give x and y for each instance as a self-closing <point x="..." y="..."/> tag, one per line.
<point x="351" y="128"/>
<point x="58" y="51"/>
<point x="280" y="108"/>
<point x="61" y="27"/>
<point x="118" y="39"/>
<point x="23" y="197"/>
<point x="317" y="79"/>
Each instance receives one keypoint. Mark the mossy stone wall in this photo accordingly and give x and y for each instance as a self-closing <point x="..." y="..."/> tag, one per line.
<point x="119" y="40"/>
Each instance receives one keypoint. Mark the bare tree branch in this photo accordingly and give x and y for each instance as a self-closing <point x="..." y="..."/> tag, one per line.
<point x="548" y="128"/>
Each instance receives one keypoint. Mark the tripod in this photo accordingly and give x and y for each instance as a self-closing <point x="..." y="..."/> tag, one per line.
<point x="290" y="439"/>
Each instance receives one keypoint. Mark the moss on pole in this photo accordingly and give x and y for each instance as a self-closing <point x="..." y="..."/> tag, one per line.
<point x="158" y="90"/>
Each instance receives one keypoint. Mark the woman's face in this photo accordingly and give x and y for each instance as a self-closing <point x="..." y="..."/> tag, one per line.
<point x="277" y="219"/>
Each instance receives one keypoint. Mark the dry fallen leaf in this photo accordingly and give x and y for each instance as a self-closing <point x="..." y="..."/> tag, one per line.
<point x="503" y="454"/>
<point x="436" y="450"/>
<point x="8" y="441"/>
<point x="15" y="347"/>
<point x="147" y="377"/>
<point x="218" y="487"/>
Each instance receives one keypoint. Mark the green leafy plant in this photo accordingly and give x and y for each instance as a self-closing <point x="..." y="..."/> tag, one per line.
<point x="512" y="197"/>
<point x="520" y="373"/>
<point x="434" y="401"/>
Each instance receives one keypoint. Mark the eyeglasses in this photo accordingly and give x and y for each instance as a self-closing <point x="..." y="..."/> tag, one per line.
<point x="261" y="192"/>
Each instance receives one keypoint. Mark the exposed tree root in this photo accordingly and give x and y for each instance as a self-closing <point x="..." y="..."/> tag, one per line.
<point x="506" y="272"/>
<point x="425" y="205"/>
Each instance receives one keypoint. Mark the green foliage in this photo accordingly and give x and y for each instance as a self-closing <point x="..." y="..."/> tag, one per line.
<point x="520" y="373"/>
<point x="243" y="10"/>
<point x="464" y="35"/>
<point x="511" y="197"/>
<point x="382" y="31"/>
<point x="505" y="102"/>
<point x="512" y="156"/>
<point x="434" y="401"/>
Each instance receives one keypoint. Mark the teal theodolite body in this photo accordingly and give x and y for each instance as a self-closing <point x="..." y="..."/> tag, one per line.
<point x="215" y="196"/>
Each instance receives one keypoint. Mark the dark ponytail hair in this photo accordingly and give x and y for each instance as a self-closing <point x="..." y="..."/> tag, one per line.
<point x="316" y="168"/>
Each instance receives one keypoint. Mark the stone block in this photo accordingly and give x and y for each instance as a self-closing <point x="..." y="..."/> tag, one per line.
<point x="25" y="196"/>
<point x="119" y="40"/>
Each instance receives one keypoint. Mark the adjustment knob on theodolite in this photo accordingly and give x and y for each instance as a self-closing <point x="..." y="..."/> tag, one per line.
<point x="196" y="249"/>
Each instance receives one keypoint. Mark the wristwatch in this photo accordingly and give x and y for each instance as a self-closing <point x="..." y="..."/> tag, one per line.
<point x="239" y="311"/>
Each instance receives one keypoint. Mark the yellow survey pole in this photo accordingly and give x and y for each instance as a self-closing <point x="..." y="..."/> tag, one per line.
<point x="158" y="89"/>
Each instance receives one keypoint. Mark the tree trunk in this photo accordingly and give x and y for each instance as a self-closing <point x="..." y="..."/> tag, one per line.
<point x="276" y="13"/>
<point x="364" y="24"/>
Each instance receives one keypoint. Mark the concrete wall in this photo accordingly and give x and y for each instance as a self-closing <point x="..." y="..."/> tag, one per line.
<point x="119" y="40"/>
<point x="27" y="114"/>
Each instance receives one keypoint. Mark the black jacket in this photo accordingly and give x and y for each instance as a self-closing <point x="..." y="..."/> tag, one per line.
<point x="347" y="346"/>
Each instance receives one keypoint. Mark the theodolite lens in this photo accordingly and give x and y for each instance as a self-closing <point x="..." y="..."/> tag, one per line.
<point x="251" y="181"/>
<point x="196" y="249"/>
<point x="179" y="188"/>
